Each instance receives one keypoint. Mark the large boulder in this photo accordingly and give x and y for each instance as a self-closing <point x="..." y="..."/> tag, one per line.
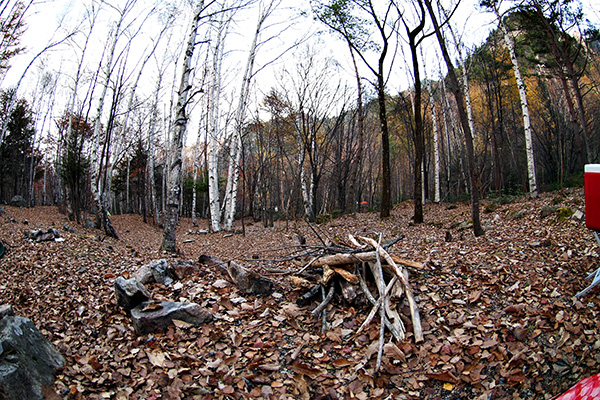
<point x="18" y="201"/>
<point x="130" y="293"/>
<point x="28" y="360"/>
<point x="157" y="317"/>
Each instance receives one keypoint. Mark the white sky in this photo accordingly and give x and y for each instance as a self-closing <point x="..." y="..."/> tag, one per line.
<point x="42" y="21"/>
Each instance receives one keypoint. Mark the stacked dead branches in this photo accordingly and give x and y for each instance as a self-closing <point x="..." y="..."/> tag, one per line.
<point x="391" y="284"/>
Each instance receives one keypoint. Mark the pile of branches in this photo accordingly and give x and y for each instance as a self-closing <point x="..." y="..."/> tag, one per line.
<point x="348" y="265"/>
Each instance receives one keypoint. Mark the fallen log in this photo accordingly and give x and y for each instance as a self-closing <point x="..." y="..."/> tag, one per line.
<point x="246" y="280"/>
<point x="353" y="258"/>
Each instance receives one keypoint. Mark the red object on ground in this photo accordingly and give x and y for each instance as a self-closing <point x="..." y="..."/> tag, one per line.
<point x="591" y="179"/>
<point x="585" y="389"/>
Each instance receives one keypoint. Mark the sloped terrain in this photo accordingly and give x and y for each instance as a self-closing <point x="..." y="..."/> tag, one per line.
<point x="498" y="312"/>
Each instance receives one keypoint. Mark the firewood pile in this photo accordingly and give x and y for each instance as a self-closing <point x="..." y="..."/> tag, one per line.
<point x="354" y="267"/>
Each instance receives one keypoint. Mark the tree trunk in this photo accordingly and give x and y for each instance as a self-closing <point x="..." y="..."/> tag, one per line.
<point x="510" y="43"/>
<point x="96" y="162"/>
<point x="418" y="117"/>
<point x="436" y="150"/>
<point x="213" y="160"/>
<point x="234" y="167"/>
<point x="181" y="119"/>
<point x="464" y="120"/>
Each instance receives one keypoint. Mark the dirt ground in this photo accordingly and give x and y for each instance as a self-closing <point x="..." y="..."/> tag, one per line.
<point x="499" y="315"/>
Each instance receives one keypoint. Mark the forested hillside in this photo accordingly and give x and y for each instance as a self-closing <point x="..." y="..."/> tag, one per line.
<point x="312" y="143"/>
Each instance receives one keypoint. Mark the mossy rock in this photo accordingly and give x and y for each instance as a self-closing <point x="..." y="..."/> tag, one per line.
<point x="565" y="213"/>
<point x="461" y="226"/>
<point x="323" y="218"/>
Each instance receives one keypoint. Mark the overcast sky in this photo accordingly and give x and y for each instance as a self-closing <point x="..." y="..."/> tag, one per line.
<point x="472" y="25"/>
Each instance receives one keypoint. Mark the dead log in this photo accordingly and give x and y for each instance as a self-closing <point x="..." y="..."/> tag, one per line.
<point x="414" y="310"/>
<point x="246" y="280"/>
<point x="353" y="258"/>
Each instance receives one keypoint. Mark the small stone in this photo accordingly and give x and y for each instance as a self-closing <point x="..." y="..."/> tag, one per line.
<point x="6" y="310"/>
<point x="182" y="269"/>
<point x="18" y="201"/>
<point x="220" y="284"/>
<point x="158" y="320"/>
<point x="130" y="293"/>
<point x="69" y="229"/>
<point x="548" y="211"/>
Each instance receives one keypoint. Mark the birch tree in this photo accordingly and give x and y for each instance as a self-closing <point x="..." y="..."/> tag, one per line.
<point x="236" y="151"/>
<point x="178" y="134"/>
<point x="510" y="44"/>
<point x="96" y="181"/>
<point x="414" y="39"/>
<point x="214" y="200"/>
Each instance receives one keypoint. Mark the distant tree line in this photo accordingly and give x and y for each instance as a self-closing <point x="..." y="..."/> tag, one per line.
<point x="315" y="146"/>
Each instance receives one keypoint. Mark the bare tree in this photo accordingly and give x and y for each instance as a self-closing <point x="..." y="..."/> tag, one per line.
<point x="181" y="120"/>
<point x="464" y="120"/>
<point x="236" y="140"/>
<point x="510" y="44"/>
<point x="338" y="15"/>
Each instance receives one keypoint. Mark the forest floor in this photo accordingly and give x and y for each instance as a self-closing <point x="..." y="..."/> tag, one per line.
<point x="499" y="315"/>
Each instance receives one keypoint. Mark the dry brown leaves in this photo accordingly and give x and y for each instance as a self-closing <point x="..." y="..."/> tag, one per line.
<point x="498" y="312"/>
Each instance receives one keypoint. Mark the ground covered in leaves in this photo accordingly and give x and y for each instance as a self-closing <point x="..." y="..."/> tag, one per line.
<point x="498" y="312"/>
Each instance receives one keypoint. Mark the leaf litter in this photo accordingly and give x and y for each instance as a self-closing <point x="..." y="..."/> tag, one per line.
<point x="499" y="315"/>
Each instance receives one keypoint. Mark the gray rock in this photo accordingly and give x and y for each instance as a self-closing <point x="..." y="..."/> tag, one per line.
<point x="182" y="269"/>
<point x="6" y="310"/>
<point x="157" y="271"/>
<point x="18" y="201"/>
<point x="88" y="223"/>
<point x="144" y="275"/>
<point x="28" y="360"/>
<point x="2" y="212"/>
<point x="152" y="318"/>
<point x="515" y="215"/>
<point x="161" y="272"/>
<point x="548" y="211"/>
<point x="130" y="293"/>
<point x="38" y="235"/>
<point x="69" y="229"/>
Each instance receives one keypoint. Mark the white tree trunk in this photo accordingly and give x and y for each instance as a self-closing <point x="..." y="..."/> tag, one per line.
<point x="151" y="151"/>
<point x="436" y="153"/>
<point x="215" y="130"/>
<point x="195" y="174"/>
<point x="95" y="181"/>
<point x="181" y="120"/>
<point x="236" y="152"/>
<point x="510" y="44"/>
